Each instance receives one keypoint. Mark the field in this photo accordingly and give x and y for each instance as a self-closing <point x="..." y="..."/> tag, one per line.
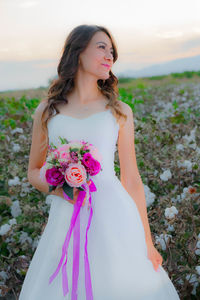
<point x="166" y="113"/>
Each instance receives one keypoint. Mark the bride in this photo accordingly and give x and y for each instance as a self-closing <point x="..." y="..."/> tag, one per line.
<point x="83" y="103"/>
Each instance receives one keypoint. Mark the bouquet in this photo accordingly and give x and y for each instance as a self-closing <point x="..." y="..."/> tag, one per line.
<point x="71" y="165"/>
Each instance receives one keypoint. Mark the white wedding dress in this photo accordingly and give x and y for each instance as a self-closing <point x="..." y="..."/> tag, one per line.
<point x="117" y="252"/>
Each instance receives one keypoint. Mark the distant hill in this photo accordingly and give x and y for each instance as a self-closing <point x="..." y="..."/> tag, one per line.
<point x="177" y="65"/>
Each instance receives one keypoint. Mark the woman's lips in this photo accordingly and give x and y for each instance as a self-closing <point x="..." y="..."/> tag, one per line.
<point x="107" y="66"/>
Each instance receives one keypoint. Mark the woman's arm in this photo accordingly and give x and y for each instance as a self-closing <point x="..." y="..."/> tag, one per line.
<point x="129" y="174"/>
<point x="37" y="158"/>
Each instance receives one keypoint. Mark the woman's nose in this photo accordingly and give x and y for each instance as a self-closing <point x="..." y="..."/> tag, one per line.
<point x="109" y="56"/>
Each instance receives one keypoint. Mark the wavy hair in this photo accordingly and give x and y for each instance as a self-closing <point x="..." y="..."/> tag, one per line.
<point x="75" y="43"/>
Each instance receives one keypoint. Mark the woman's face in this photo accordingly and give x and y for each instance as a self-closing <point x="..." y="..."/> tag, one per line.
<point x="98" y="52"/>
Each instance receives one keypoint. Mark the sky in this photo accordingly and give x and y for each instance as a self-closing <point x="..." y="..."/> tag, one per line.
<point x="146" y="32"/>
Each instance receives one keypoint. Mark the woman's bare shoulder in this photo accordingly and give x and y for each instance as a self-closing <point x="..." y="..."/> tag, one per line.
<point x="40" y="109"/>
<point x="125" y="109"/>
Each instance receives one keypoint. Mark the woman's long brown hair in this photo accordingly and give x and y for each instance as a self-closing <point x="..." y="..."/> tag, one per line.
<point x="75" y="43"/>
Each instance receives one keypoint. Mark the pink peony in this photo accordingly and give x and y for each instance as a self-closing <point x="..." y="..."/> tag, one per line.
<point x="93" y="167"/>
<point x="54" y="177"/>
<point x="75" y="175"/>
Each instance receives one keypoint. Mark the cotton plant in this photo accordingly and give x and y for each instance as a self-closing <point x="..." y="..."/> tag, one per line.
<point x="149" y="196"/>
<point x="185" y="195"/>
<point x="14" y="181"/>
<point x="22" y="137"/>
<point x="5" y="228"/>
<point x="190" y="140"/>
<point x="166" y="175"/>
<point x="170" y="227"/>
<point x="193" y="280"/>
<point x="187" y="164"/>
<point x="179" y="147"/>
<point x="25" y="187"/>
<point x="170" y="212"/>
<point x="198" y="270"/>
<point x="17" y="130"/>
<point x="24" y="237"/>
<point x="16" y="147"/>
<point x="197" y="251"/>
<point x="35" y="242"/>
<point x="162" y="239"/>
<point x="15" y="209"/>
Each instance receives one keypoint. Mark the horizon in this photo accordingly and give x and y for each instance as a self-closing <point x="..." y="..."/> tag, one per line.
<point x="147" y="34"/>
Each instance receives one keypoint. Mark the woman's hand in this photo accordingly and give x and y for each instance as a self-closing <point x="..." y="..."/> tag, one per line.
<point x="60" y="192"/>
<point x="154" y="256"/>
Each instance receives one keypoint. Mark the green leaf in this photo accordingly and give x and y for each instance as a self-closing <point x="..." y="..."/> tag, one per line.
<point x="52" y="188"/>
<point x="68" y="190"/>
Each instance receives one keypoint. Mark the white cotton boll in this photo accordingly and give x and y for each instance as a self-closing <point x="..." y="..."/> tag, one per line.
<point x="162" y="239"/>
<point x="16" y="148"/>
<point x="192" y="278"/>
<point x="35" y="242"/>
<point x="185" y="190"/>
<point x="4" y="229"/>
<point x="170" y="227"/>
<point x="3" y="275"/>
<point x="179" y="147"/>
<point x="12" y="221"/>
<point x="198" y="269"/>
<point x="25" y="189"/>
<point x="14" y="181"/>
<point x="7" y="138"/>
<point x="198" y="244"/>
<point x="198" y="150"/>
<point x="166" y="175"/>
<point x="197" y="251"/>
<point x="24" y="237"/>
<point x="170" y="212"/>
<point x="186" y="164"/>
<point x="19" y="130"/>
<point x="15" y="209"/>
<point x="155" y="173"/>
<point x="149" y="196"/>
<point x="22" y="137"/>
<point x="190" y="138"/>
<point x="192" y="145"/>
<point x="49" y="199"/>
<point x="180" y="281"/>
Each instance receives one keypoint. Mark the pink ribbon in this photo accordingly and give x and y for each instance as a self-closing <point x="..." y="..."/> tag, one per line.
<point x="75" y="225"/>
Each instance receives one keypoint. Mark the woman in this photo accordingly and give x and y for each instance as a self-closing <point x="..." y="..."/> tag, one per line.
<point x="82" y="104"/>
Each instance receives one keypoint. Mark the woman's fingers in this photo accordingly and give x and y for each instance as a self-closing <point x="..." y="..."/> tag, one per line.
<point x="75" y="196"/>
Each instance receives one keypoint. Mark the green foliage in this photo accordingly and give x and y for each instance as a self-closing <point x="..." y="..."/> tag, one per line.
<point x="128" y="98"/>
<point x="158" y="77"/>
<point x="125" y="79"/>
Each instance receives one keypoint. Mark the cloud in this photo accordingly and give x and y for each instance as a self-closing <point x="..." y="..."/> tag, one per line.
<point x="169" y="34"/>
<point x="27" y="4"/>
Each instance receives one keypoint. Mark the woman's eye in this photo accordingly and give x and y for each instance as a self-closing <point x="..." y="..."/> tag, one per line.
<point x="104" y="48"/>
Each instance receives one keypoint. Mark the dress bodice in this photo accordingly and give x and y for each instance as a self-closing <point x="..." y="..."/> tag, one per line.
<point x="100" y="129"/>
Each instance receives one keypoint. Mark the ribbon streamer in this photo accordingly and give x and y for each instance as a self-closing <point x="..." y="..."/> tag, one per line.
<point x="75" y="225"/>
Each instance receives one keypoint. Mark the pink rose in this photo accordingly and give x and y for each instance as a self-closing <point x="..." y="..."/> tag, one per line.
<point x="93" y="167"/>
<point x="75" y="175"/>
<point x="54" y="177"/>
